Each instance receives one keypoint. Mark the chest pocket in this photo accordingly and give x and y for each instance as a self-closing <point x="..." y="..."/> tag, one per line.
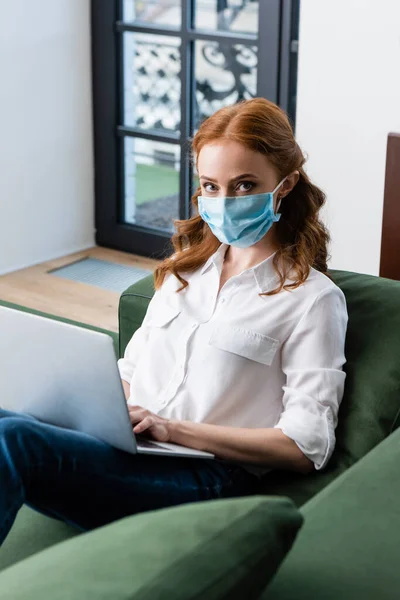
<point x="244" y="342"/>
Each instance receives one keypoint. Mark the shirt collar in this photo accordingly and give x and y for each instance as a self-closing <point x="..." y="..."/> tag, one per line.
<point x="264" y="273"/>
<point x="215" y="259"/>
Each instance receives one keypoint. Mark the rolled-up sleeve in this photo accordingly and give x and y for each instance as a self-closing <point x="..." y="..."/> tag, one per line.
<point x="312" y="360"/>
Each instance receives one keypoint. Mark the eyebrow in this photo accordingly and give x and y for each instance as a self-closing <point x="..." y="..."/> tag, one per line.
<point x="234" y="178"/>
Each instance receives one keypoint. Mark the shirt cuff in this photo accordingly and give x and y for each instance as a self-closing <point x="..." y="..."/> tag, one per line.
<point x="314" y="434"/>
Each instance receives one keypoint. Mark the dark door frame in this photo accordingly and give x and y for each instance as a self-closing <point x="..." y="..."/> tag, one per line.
<point x="276" y="80"/>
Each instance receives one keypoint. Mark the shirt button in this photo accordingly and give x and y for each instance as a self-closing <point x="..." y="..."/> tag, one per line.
<point x="194" y="326"/>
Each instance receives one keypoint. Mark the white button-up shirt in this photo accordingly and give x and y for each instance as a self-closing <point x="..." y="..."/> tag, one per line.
<point x="243" y="360"/>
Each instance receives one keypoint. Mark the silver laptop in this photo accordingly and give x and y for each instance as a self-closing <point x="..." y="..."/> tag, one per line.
<point x="68" y="376"/>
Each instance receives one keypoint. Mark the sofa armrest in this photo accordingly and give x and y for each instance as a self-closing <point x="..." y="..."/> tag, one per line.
<point x="348" y="547"/>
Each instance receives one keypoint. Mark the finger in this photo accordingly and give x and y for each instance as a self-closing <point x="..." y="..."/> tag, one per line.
<point x="138" y="409"/>
<point x="143" y="425"/>
<point x="138" y="413"/>
<point x="134" y="419"/>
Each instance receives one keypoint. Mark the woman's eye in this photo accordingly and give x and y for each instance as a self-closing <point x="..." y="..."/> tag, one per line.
<point x="209" y="187"/>
<point x="245" y="186"/>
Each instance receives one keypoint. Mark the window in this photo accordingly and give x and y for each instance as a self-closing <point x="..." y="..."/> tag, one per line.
<point x="159" y="68"/>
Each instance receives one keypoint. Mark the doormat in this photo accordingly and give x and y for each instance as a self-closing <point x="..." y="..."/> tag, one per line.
<point x="101" y="273"/>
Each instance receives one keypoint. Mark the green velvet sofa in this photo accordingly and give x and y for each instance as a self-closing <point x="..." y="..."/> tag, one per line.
<point x="348" y="542"/>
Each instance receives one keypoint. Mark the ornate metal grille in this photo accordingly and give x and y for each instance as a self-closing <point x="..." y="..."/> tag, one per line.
<point x="225" y="74"/>
<point x="157" y="86"/>
<point x="234" y="77"/>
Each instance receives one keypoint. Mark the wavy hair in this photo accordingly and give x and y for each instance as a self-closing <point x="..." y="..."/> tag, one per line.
<point x="302" y="238"/>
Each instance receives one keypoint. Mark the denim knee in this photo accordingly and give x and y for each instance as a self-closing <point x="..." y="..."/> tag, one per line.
<point x="4" y="414"/>
<point x="15" y="431"/>
<point x="7" y="414"/>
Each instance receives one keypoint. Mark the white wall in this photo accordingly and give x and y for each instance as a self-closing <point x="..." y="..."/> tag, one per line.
<point x="348" y="101"/>
<point x="46" y="164"/>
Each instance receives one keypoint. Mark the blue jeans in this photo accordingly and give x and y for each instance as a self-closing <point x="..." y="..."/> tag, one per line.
<point x="78" y="479"/>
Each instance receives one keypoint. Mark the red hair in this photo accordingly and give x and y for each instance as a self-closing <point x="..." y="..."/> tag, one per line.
<point x="263" y="127"/>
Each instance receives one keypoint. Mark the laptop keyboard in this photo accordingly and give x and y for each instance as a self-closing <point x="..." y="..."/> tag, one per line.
<point x="146" y="444"/>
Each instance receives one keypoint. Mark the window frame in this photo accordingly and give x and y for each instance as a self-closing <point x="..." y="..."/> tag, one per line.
<point x="276" y="80"/>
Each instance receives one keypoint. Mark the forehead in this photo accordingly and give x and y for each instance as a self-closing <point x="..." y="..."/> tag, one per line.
<point x="229" y="158"/>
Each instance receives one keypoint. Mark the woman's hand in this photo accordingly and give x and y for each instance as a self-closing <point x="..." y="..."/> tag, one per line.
<point x="155" y="427"/>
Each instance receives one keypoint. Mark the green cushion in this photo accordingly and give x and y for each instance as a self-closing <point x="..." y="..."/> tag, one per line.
<point x="214" y="549"/>
<point x="31" y="533"/>
<point x="56" y="318"/>
<point x="371" y="405"/>
<point x="348" y="548"/>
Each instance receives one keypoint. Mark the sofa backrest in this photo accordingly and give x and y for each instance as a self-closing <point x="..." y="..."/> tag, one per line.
<point x="370" y="409"/>
<point x="133" y="305"/>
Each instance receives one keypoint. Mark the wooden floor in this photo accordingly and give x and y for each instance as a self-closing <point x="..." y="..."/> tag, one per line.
<point x="35" y="288"/>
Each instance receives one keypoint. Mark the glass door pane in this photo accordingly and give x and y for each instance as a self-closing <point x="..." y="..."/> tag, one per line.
<point x="240" y="16"/>
<point x="225" y="73"/>
<point x="152" y="85"/>
<point x="160" y="12"/>
<point x="151" y="183"/>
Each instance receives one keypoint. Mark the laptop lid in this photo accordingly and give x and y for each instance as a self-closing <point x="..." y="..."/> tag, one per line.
<point x="59" y="372"/>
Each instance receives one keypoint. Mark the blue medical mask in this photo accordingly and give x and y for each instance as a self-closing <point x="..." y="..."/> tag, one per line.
<point x="240" y="220"/>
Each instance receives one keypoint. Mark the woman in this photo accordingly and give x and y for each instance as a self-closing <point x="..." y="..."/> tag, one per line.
<point x="240" y="353"/>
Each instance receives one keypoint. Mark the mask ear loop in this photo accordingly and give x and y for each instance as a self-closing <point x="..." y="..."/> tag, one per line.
<point x="278" y="205"/>
<point x="279" y="198"/>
